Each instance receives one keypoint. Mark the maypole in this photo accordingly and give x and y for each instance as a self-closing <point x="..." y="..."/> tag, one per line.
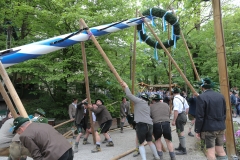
<point x="20" y="54"/>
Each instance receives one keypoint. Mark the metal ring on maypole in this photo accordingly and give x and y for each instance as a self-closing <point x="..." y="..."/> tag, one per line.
<point x="165" y="15"/>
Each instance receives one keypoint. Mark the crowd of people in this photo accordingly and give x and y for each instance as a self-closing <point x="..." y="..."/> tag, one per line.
<point x="151" y="121"/>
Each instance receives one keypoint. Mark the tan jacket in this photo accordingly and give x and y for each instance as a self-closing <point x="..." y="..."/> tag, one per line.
<point x="44" y="142"/>
<point x="71" y="111"/>
<point x="124" y="109"/>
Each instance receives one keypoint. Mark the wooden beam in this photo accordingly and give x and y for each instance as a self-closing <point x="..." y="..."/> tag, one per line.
<point x="102" y="53"/>
<point x="8" y="101"/>
<point x="87" y="89"/>
<point x="223" y="75"/>
<point x="134" y="63"/>
<point x="12" y="92"/>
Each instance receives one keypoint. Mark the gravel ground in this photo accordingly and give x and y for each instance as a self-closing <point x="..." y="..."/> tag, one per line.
<point x="124" y="142"/>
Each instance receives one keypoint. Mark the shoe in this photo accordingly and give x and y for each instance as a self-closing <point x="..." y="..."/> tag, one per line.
<point x="105" y="140"/>
<point x="85" y="142"/>
<point x="110" y="144"/>
<point x="136" y="153"/>
<point x="121" y="131"/>
<point x="96" y="149"/>
<point x="183" y="151"/>
<point x="173" y="158"/>
<point x="190" y="134"/>
<point x="75" y="149"/>
<point x="179" y="147"/>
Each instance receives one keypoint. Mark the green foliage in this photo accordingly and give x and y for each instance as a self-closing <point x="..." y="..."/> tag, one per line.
<point x="59" y="75"/>
<point x="114" y="111"/>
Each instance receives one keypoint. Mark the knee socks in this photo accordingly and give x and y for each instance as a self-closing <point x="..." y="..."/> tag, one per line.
<point x="222" y="157"/>
<point x="172" y="154"/>
<point x="142" y="152"/>
<point x="160" y="153"/>
<point x="122" y="123"/>
<point x="153" y="149"/>
<point x="182" y="141"/>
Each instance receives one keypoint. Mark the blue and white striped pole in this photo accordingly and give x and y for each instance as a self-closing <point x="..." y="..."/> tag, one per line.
<point x="19" y="54"/>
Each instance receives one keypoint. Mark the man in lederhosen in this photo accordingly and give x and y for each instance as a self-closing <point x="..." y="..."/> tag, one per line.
<point x="181" y="108"/>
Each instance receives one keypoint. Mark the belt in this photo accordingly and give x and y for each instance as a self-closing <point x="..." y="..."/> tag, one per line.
<point x="181" y="113"/>
<point x="164" y="122"/>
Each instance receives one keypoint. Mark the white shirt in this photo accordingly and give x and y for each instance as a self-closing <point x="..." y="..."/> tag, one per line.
<point x="93" y="117"/>
<point x="178" y="104"/>
<point x="75" y="105"/>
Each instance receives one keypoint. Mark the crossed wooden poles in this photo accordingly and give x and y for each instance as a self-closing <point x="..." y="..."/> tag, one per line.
<point x="222" y="75"/>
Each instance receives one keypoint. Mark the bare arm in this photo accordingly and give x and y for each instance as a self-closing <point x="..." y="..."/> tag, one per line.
<point x="175" y="114"/>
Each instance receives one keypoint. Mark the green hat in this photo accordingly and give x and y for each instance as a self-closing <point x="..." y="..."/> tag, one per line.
<point x="206" y="83"/>
<point x="42" y="120"/>
<point x="41" y="112"/>
<point x="156" y="97"/>
<point x="99" y="100"/>
<point x="176" y="90"/>
<point x="145" y="96"/>
<point x="18" y="122"/>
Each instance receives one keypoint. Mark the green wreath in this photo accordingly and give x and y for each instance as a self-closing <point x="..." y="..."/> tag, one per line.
<point x="157" y="12"/>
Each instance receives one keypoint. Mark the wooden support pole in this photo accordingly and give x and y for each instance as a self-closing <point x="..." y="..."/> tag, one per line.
<point x="190" y="56"/>
<point x="112" y="103"/>
<point x="67" y="134"/>
<point x="170" y="72"/>
<point x="223" y="75"/>
<point x="12" y="92"/>
<point x="169" y="55"/>
<point x="134" y="62"/>
<point x="62" y="123"/>
<point x="8" y="101"/>
<point x="87" y="89"/>
<point x="102" y="53"/>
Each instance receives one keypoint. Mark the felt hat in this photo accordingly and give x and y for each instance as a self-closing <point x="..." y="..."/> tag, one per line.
<point x="42" y="120"/>
<point x="156" y="97"/>
<point x="145" y="96"/>
<point x="18" y="122"/>
<point x="206" y="83"/>
<point x="176" y="90"/>
<point x="99" y="100"/>
<point x="41" y="112"/>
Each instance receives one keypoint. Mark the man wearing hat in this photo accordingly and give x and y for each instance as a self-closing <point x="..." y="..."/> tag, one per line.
<point x="160" y="113"/>
<point x="144" y="124"/>
<point x="6" y="137"/>
<point x="40" y="116"/>
<point x="104" y="119"/>
<point x="210" y="120"/>
<point x="181" y="108"/>
<point x="42" y="140"/>
<point x="81" y="120"/>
